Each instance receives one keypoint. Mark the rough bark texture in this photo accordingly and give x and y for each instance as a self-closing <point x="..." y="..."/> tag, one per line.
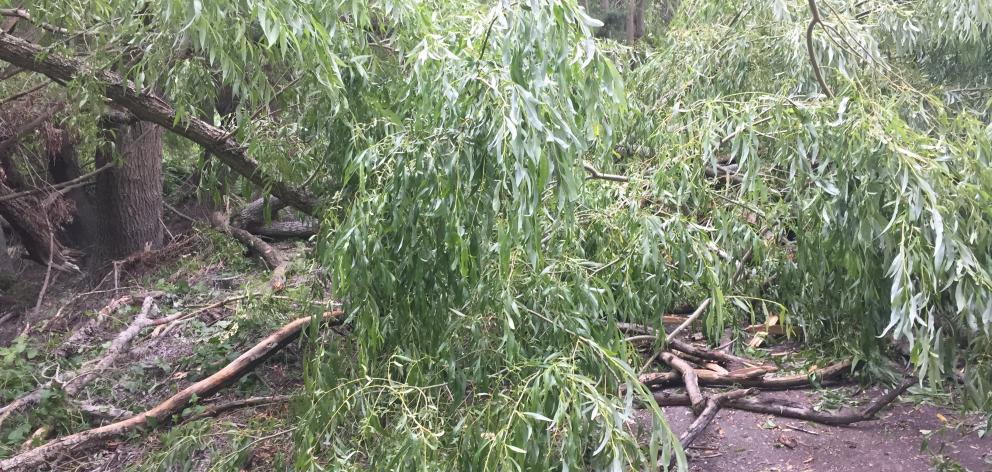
<point x="63" y="166"/>
<point x="252" y="219"/>
<point x="149" y="107"/>
<point x="6" y="264"/>
<point x="129" y="195"/>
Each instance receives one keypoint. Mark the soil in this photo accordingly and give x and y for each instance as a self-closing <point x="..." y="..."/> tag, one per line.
<point x="907" y="437"/>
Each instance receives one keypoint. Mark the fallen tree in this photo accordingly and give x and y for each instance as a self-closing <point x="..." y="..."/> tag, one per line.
<point x="163" y="412"/>
<point x="149" y="107"/>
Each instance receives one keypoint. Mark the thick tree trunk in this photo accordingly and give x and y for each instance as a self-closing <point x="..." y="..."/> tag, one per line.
<point x="129" y="195"/>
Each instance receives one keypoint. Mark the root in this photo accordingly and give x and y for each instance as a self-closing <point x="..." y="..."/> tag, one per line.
<point x="162" y="412"/>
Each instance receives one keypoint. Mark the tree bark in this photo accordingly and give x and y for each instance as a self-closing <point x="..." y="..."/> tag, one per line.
<point x="151" y="108"/>
<point x="129" y="195"/>
<point x="63" y="166"/>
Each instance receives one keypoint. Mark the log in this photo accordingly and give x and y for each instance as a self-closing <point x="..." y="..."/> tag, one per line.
<point x="149" y="107"/>
<point x="689" y="378"/>
<point x="162" y="412"/>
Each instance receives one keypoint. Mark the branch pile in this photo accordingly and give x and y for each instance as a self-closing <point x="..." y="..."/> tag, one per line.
<point x="694" y="367"/>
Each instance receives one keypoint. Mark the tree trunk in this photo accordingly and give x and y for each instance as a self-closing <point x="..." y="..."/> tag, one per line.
<point x="129" y="195"/>
<point x="6" y="264"/>
<point x="635" y="20"/>
<point x="63" y="166"/>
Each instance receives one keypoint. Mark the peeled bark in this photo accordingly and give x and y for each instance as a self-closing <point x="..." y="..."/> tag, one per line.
<point x="129" y="195"/>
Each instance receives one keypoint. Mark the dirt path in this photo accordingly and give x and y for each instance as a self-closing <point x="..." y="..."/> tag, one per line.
<point x="739" y="441"/>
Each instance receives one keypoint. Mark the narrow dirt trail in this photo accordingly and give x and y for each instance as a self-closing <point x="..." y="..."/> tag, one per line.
<point x="739" y="441"/>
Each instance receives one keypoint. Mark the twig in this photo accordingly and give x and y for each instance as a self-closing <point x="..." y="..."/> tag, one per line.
<point x="25" y="93"/>
<point x="178" y="213"/>
<point x="216" y="409"/>
<point x="48" y="271"/>
<point x="801" y="430"/>
<point x="24" y="15"/>
<point x="595" y="174"/>
<point x="60" y="187"/>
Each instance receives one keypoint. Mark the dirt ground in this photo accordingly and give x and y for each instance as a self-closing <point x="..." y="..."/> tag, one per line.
<point x="739" y="441"/>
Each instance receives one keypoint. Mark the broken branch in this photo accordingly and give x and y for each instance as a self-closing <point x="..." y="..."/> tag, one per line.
<point x="162" y="412"/>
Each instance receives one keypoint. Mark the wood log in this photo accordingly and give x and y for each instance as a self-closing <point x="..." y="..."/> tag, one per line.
<point x="689" y="378"/>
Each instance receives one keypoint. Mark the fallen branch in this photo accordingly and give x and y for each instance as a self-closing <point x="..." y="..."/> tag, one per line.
<point x="595" y="174"/>
<point x="689" y="378"/>
<point x="262" y="248"/>
<point x="59" y="188"/>
<point x="713" y="405"/>
<point x="162" y="412"/>
<point x="218" y="408"/>
<point x="771" y="407"/>
<point x="80" y="380"/>
<point x="752" y="377"/>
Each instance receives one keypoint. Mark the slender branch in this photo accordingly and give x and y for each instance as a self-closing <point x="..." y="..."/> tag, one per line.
<point x="25" y="93"/>
<point x="218" y="408"/>
<point x="595" y="174"/>
<point x="812" y="53"/>
<point x="24" y="15"/>
<point x="60" y="187"/>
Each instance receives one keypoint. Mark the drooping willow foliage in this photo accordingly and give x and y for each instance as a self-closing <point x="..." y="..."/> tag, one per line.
<point x="484" y="275"/>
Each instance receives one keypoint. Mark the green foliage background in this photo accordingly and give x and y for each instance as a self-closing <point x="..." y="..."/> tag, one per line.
<point x="484" y="275"/>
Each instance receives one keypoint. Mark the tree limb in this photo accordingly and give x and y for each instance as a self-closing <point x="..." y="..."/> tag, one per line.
<point x="812" y="53"/>
<point x="149" y="107"/>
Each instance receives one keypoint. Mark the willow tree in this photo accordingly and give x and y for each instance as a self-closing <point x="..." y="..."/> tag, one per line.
<point x="447" y="145"/>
